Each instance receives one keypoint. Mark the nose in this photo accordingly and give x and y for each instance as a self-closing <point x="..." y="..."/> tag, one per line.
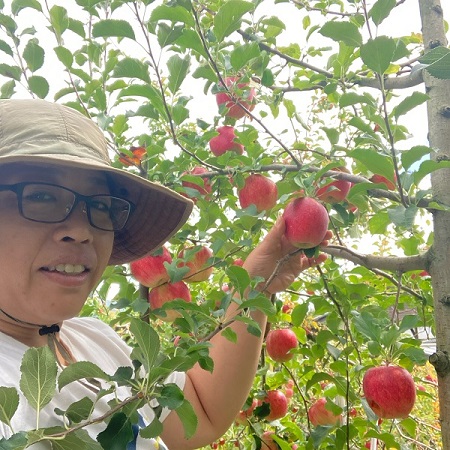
<point x="76" y="228"/>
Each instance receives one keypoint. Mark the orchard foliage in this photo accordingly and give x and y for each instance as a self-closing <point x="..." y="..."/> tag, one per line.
<point x="332" y="97"/>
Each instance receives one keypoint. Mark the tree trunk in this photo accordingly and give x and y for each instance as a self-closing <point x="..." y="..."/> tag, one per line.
<point x="439" y="139"/>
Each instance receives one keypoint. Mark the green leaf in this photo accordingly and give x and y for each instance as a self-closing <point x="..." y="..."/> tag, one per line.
<point x="59" y="20"/>
<point x="38" y="379"/>
<point x="18" y="441"/>
<point x="409" y="103"/>
<point x="346" y="32"/>
<point x="408" y="322"/>
<point x="168" y="34"/>
<point x="374" y="161"/>
<point x="172" y="13"/>
<point x="113" y="28"/>
<point x="261" y="302"/>
<point x="131" y="68"/>
<point x="178" y="69"/>
<point x="171" y="396"/>
<point x="64" y="55"/>
<point x="299" y="313"/>
<point x="79" y="440"/>
<point x="380" y="10"/>
<point x="6" y="48"/>
<point x="440" y="68"/>
<point x="153" y="430"/>
<point x="117" y="434"/>
<point x="147" y="340"/>
<point x="18" y="5"/>
<point x="242" y="54"/>
<point x="10" y="71"/>
<point x="39" y="86"/>
<point x="188" y="418"/>
<point x="352" y="98"/>
<point x="403" y="217"/>
<point x="378" y="53"/>
<point x="7" y="89"/>
<point x="228" y="18"/>
<point x="80" y="410"/>
<point x="230" y="335"/>
<point x="427" y="167"/>
<point x="80" y="370"/>
<point x="434" y="55"/>
<point x="365" y="325"/>
<point x="9" y="401"/>
<point x="413" y="155"/>
<point x="239" y="278"/>
<point x="33" y="54"/>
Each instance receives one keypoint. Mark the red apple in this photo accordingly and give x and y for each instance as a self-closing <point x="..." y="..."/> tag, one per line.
<point x="224" y="142"/>
<point x="203" y="189"/>
<point x="150" y="270"/>
<point x="380" y="179"/>
<point x="279" y="344"/>
<point x="160" y="295"/>
<point x="259" y="191"/>
<point x="306" y="222"/>
<point x="244" y="414"/>
<point x="199" y="269"/>
<point x="267" y="442"/>
<point x="241" y="92"/>
<point x="334" y="192"/>
<point x="278" y="404"/>
<point x="318" y="414"/>
<point x="238" y="262"/>
<point x="390" y="391"/>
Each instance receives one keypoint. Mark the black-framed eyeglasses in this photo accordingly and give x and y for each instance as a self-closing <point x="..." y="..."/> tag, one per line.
<point x="51" y="203"/>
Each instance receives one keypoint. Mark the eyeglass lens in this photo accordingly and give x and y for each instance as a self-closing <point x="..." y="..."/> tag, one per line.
<point x="49" y="203"/>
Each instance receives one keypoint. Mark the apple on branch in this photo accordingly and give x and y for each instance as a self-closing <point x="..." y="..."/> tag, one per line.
<point x="267" y="442"/>
<point x="278" y="404"/>
<point x="318" y="414"/>
<point x="225" y="142"/>
<point x="390" y="391"/>
<point x="160" y="295"/>
<point x="237" y="93"/>
<point x="279" y="344"/>
<point x="306" y="222"/>
<point x="383" y="180"/>
<point x="202" y="188"/>
<point x="150" y="270"/>
<point x="334" y="192"/>
<point x="197" y="260"/>
<point x="259" y="191"/>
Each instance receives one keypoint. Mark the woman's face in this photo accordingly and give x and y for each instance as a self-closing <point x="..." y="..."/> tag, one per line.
<point x="47" y="270"/>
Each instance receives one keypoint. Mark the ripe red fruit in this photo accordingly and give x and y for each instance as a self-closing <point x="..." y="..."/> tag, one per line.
<point x="244" y="414"/>
<point x="160" y="295"/>
<point x="238" y="262"/>
<point x="259" y="191"/>
<point x="150" y="270"/>
<point x="224" y="142"/>
<point x="318" y="414"/>
<point x="199" y="269"/>
<point x="380" y="179"/>
<point x="390" y="391"/>
<point x="203" y="189"/>
<point x="278" y="404"/>
<point x="279" y="344"/>
<point x="267" y="442"/>
<point x="242" y="92"/>
<point x="334" y="192"/>
<point x="306" y="222"/>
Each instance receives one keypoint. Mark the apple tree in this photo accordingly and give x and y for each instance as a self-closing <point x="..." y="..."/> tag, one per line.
<point x="244" y="107"/>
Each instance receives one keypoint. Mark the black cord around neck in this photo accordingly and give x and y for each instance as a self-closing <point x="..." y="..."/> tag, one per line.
<point x="43" y="329"/>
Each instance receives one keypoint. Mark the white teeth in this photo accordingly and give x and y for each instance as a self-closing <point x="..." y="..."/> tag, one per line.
<point x="68" y="268"/>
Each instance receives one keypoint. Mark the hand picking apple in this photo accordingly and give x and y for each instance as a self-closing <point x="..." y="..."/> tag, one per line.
<point x="65" y="214"/>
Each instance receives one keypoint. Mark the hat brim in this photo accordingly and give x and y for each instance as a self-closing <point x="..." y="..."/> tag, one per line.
<point x="159" y="213"/>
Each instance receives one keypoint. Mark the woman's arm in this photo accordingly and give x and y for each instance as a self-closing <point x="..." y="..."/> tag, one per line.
<point x="217" y="397"/>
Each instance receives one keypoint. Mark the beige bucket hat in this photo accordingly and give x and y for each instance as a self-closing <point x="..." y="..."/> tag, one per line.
<point x="41" y="132"/>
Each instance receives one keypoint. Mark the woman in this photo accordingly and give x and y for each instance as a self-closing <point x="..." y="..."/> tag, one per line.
<point x="65" y="214"/>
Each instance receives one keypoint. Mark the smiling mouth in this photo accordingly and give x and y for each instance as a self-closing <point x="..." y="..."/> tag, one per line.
<point x="71" y="269"/>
